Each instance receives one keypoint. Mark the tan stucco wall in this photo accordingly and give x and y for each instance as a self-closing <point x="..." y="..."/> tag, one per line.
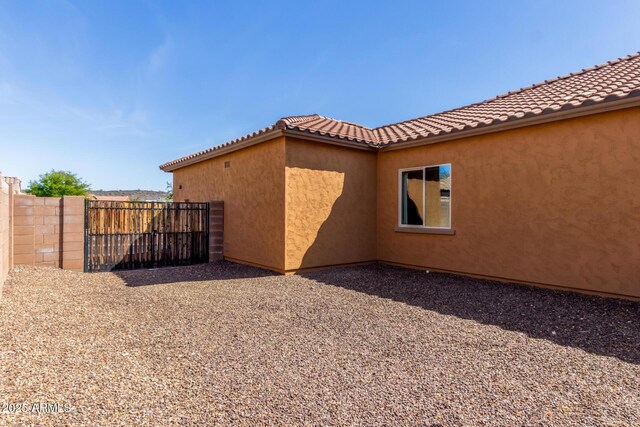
<point x="555" y="204"/>
<point x="330" y="205"/>
<point x="252" y="188"/>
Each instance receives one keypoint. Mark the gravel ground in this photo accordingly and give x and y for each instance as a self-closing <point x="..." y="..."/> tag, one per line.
<point x="227" y="344"/>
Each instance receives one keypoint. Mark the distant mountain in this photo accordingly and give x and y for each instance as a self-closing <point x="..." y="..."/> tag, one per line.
<point x="133" y="194"/>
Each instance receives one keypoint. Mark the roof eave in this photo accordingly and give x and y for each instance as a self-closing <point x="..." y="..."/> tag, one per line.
<point x="332" y="140"/>
<point x="343" y="142"/>
<point x="601" y="107"/>
<point x="267" y="136"/>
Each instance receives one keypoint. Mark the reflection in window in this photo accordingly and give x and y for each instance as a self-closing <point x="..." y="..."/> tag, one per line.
<point x="412" y="206"/>
<point x="426" y="197"/>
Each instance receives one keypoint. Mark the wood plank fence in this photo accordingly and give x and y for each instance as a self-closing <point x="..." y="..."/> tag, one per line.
<point x="130" y="235"/>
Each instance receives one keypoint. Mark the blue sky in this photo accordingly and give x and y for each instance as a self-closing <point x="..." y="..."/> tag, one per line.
<point x="112" y="89"/>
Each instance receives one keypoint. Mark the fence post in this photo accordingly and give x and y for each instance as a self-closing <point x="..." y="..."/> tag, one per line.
<point x="85" y="236"/>
<point x="153" y="236"/>
<point x="216" y="231"/>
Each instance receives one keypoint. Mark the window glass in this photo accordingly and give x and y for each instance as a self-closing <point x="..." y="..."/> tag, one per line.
<point x="412" y="206"/>
<point x="426" y="197"/>
<point x="437" y="195"/>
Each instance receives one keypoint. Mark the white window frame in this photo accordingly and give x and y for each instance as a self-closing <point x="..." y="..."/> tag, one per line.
<point x="424" y="220"/>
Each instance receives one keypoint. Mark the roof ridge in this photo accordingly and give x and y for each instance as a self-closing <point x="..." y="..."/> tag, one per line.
<point x="290" y="120"/>
<point x="522" y="89"/>
<point x="284" y="121"/>
<point x="566" y="76"/>
<point x="347" y="122"/>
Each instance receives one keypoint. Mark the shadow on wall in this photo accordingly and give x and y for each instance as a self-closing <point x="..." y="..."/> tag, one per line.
<point x="335" y="222"/>
<point x="603" y="326"/>
<point x="322" y="250"/>
<point x="219" y="270"/>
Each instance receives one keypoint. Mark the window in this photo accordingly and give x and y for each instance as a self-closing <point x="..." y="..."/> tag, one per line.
<point x="425" y="197"/>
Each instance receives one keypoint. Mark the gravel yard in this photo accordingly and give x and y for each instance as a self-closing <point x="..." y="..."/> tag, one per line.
<point x="374" y="345"/>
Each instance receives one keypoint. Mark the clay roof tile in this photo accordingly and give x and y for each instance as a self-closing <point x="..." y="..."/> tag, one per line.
<point x="610" y="81"/>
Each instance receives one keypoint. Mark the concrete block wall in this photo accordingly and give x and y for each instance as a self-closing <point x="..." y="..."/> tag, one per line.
<point x="37" y="230"/>
<point x="24" y="252"/>
<point x="216" y="231"/>
<point x="49" y="231"/>
<point x="5" y="243"/>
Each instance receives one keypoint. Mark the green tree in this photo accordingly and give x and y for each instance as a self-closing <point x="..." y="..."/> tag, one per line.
<point x="58" y="183"/>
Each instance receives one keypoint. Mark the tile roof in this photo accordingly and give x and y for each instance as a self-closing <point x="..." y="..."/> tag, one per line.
<point x="326" y="126"/>
<point x="219" y="147"/>
<point x="312" y="123"/>
<point x="606" y="82"/>
<point x="611" y="81"/>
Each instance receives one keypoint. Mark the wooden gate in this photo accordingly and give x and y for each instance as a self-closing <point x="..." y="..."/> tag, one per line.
<point x="130" y="235"/>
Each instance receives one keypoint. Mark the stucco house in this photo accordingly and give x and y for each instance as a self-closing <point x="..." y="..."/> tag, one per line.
<point x="540" y="185"/>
